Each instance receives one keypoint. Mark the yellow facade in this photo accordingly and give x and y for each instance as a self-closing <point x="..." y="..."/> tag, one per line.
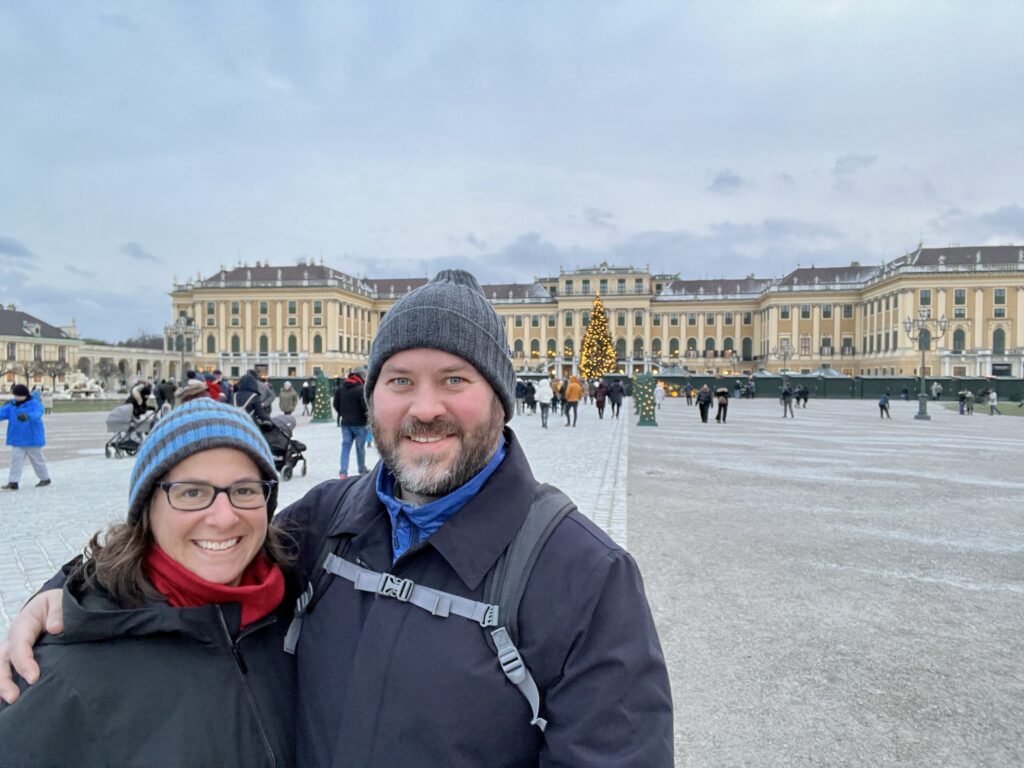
<point x="295" y="321"/>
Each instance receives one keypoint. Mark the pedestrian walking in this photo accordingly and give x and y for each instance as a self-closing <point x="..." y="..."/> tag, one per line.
<point x="722" y="399"/>
<point x="354" y="418"/>
<point x="530" y="397"/>
<point x="802" y="393"/>
<point x="690" y="393"/>
<point x="615" y="394"/>
<point x="306" y="393"/>
<point x="787" y="402"/>
<point x="883" y="406"/>
<point x="936" y="390"/>
<point x="573" y="393"/>
<point x="25" y="435"/>
<point x="969" y="402"/>
<point x="993" y="403"/>
<point x="47" y="398"/>
<point x="520" y="396"/>
<point x="600" y="397"/>
<point x="659" y="394"/>
<point x="703" y="399"/>
<point x="543" y="396"/>
<point x="288" y="399"/>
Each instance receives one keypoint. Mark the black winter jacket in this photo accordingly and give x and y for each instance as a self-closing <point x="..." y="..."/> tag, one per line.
<point x="349" y="402"/>
<point x="156" y="686"/>
<point x="385" y="684"/>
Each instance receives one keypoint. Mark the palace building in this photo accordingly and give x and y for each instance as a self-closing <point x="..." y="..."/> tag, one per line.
<point x="297" y="321"/>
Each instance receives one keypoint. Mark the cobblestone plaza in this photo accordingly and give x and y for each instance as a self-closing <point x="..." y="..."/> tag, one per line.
<point x="831" y="590"/>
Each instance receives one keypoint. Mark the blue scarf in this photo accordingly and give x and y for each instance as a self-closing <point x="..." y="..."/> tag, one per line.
<point x="409" y="524"/>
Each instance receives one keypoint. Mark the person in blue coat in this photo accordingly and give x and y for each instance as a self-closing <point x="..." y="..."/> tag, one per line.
<point x="25" y="435"/>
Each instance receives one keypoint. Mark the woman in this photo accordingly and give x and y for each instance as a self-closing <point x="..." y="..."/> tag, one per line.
<point x="600" y="395"/>
<point x="173" y="623"/>
<point x="288" y="398"/>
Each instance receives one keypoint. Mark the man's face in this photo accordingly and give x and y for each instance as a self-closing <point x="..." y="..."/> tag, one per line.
<point x="436" y="420"/>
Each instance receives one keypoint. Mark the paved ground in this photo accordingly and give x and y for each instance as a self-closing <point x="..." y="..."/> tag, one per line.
<point x="836" y="590"/>
<point x="832" y="590"/>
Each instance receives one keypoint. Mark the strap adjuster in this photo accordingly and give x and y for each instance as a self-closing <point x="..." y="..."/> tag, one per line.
<point x="392" y="586"/>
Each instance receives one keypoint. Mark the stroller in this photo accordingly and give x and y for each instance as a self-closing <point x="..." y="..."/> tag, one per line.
<point x="287" y="452"/>
<point x="129" y="431"/>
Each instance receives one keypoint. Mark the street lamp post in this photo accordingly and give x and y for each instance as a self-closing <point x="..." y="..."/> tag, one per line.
<point x="919" y="329"/>
<point x="181" y="329"/>
<point x="783" y="352"/>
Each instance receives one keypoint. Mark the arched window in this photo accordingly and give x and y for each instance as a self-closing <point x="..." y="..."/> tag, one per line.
<point x="535" y="348"/>
<point x="552" y="348"/>
<point x="638" y="347"/>
<point x="569" y="348"/>
<point x="656" y="347"/>
<point x="691" y="343"/>
<point x="748" y="348"/>
<point x="517" y="348"/>
<point x="236" y="344"/>
<point x="318" y="345"/>
<point x="211" y="345"/>
<point x="959" y="337"/>
<point x="727" y="343"/>
<point x="673" y="347"/>
<point x="620" y="348"/>
<point x="999" y="342"/>
<point x="293" y="344"/>
<point x="709" y="344"/>
<point x="264" y="344"/>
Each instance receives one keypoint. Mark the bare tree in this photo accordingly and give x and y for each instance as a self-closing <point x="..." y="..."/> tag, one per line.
<point x="28" y="369"/>
<point x="53" y="369"/>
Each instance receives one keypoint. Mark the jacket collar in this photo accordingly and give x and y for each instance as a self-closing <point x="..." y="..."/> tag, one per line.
<point x="473" y="539"/>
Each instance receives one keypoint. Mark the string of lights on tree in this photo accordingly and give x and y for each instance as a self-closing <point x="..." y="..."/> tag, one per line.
<point x="322" y="400"/>
<point x="597" y="355"/>
<point x="643" y="400"/>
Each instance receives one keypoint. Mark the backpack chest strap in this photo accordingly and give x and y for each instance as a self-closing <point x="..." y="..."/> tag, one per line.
<point x="433" y="601"/>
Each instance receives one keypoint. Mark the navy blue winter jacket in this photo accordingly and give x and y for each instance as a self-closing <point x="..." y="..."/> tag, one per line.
<point x="383" y="683"/>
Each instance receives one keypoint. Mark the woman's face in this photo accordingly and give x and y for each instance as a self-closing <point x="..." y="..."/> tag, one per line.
<point x="216" y="543"/>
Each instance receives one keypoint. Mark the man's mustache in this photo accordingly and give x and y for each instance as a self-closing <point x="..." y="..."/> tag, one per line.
<point x="435" y="428"/>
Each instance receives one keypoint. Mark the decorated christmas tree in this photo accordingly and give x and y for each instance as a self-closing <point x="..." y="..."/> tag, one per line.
<point x="322" y="400"/>
<point x="597" y="355"/>
<point x="643" y="400"/>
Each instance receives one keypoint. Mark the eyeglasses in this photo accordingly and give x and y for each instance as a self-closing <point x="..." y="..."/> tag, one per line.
<point x="193" y="497"/>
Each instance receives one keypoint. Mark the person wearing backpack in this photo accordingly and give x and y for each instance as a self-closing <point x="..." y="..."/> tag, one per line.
<point x="395" y="628"/>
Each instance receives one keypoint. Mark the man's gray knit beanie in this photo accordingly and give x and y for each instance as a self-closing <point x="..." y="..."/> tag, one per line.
<point x="450" y="313"/>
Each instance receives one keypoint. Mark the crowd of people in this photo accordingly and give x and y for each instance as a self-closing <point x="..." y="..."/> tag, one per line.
<point x="564" y="395"/>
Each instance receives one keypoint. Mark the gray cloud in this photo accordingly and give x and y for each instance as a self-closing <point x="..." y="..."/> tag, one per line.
<point x="136" y="251"/>
<point x="600" y="218"/>
<point x="79" y="272"/>
<point x="474" y="241"/>
<point x="955" y="225"/>
<point x="851" y="163"/>
<point x="727" y="182"/>
<point x="1006" y="220"/>
<point x="13" y="248"/>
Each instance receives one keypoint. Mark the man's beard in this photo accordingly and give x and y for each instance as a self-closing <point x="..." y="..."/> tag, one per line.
<point x="428" y="475"/>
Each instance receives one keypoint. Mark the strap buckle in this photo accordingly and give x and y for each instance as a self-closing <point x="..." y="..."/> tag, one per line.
<point x="490" y="617"/>
<point x="392" y="586"/>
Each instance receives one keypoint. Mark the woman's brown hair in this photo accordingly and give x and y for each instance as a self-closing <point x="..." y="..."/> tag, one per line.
<point x="114" y="560"/>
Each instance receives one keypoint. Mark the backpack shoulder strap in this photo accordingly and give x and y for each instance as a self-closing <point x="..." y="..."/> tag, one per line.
<point x="319" y="579"/>
<point x="506" y="583"/>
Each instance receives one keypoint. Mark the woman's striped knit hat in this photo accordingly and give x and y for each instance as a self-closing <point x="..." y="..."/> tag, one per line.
<point x="195" y="426"/>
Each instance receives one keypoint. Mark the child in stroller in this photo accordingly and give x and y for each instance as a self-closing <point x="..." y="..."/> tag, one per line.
<point x="286" y="450"/>
<point x="129" y="430"/>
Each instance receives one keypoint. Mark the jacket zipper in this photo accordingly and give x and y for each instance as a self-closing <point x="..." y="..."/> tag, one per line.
<point x="243" y="672"/>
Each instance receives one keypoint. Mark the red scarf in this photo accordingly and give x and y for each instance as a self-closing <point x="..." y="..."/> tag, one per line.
<point x="259" y="592"/>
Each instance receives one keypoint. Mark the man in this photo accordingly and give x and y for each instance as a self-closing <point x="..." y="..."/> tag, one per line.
<point x="615" y="394"/>
<point x="787" y="401"/>
<point x="351" y="407"/>
<point x="383" y="682"/>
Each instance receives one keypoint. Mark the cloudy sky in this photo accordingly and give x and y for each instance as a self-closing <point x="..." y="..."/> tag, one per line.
<point x="143" y="142"/>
